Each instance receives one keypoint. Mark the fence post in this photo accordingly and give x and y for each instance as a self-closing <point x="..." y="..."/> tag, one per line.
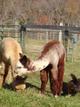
<point x="47" y="36"/>
<point x="60" y="33"/>
<point x="16" y="29"/>
<point x="22" y="38"/>
<point x="67" y="43"/>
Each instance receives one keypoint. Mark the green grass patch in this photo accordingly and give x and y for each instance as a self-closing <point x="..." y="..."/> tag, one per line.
<point x="31" y="97"/>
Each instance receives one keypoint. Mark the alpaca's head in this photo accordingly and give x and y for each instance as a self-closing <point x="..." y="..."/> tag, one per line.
<point x="23" y="66"/>
<point x="26" y="62"/>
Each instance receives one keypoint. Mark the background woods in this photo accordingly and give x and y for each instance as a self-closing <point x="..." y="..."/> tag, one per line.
<point x="40" y="11"/>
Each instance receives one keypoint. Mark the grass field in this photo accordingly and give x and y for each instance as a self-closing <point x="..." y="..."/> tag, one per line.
<point x="31" y="97"/>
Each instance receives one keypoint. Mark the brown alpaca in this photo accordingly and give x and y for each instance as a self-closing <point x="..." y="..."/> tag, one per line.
<point x="51" y="61"/>
<point x="9" y="55"/>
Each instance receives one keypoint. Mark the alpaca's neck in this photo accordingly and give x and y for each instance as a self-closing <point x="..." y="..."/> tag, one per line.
<point x="40" y="64"/>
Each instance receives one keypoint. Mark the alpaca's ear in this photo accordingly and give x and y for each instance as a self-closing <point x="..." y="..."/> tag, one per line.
<point x="21" y="55"/>
<point x="25" y="57"/>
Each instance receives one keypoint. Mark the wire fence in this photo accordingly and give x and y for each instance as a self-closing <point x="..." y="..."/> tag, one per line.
<point x="33" y="37"/>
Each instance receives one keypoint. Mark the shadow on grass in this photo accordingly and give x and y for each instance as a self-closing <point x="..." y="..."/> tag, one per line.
<point x="72" y="87"/>
<point x="29" y="85"/>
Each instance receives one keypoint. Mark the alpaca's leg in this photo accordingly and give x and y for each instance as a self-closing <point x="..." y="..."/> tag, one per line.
<point x="60" y="78"/>
<point x="54" y="81"/>
<point x="2" y="67"/>
<point x="60" y="74"/>
<point x="1" y="80"/>
<point x="5" y="73"/>
<point x="44" y="80"/>
<point x="13" y="70"/>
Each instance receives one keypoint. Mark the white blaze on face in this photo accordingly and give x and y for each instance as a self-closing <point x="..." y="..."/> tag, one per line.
<point x="20" y="70"/>
<point x="40" y="64"/>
